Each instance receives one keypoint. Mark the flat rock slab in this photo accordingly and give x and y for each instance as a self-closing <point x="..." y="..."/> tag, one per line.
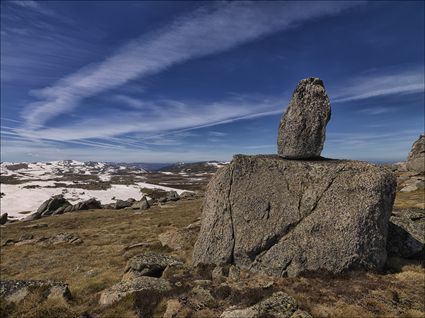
<point x="287" y="217"/>
<point x="127" y="287"/>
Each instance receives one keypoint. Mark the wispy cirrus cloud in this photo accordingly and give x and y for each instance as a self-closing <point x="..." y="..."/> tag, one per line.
<point x="167" y="115"/>
<point x="380" y="83"/>
<point x="208" y="30"/>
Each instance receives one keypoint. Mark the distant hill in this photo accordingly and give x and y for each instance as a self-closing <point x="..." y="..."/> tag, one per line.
<point x="194" y="167"/>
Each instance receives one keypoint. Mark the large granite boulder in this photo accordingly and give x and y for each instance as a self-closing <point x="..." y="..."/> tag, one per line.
<point x="287" y="217"/>
<point x="416" y="158"/>
<point x="302" y="128"/>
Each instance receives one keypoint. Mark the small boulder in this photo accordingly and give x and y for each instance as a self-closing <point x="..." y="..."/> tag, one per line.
<point x="279" y="305"/>
<point x="54" y="205"/>
<point x="303" y="126"/>
<point x="13" y="291"/>
<point x="148" y="264"/>
<point x="143" y="204"/>
<point x="137" y="284"/>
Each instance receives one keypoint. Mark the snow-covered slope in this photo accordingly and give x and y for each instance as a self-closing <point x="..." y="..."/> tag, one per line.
<point x="24" y="186"/>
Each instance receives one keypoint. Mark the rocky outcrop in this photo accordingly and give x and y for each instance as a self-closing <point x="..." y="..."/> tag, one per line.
<point x="59" y="205"/>
<point x="302" y="128"/>
<point x="416" y="158"/>
<point x="55" y="205"/>
<point x="406" y="233"/>
<point x="286" y="217"/>
<point x="13" y="291"/>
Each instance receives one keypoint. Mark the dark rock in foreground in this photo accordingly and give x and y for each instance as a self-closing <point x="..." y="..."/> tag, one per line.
<point x="303" y="126"/>
<point x="406" y="235"/>
<point x="287" y="217"/>
<point x="3" y="218"/>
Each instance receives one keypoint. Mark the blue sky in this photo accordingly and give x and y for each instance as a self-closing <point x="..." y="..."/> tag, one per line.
<point x="191" y="81"/>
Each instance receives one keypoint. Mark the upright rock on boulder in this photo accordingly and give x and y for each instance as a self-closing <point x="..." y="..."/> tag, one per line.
<point x="287" y="217"/>
<point x="303" y="126"/>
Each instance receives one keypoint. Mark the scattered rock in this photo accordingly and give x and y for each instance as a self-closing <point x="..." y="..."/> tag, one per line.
<point x="148" y="264"/>
<point x="55" y="205"/>
<point x="36" y="226"/>
<point x="173" y="307"/>
<point x="327" y="215"/>
<point x="187" y="195"/>
<point x="406" y="233"/>
<point x="3" y="218"/>
<point x="201" y="297"/>
<point x="219" y="274"/>
<point x="416" y="158"/>
<point x="127" y="287"/>
<point x="303" y="126"/>
<point x="16" y="290"/>
<point x="178" y="239"/>
<point x="279" y="305"/>
<point x="121" y="204"/>
<point x="26" y="237"/>
<point x="89" y="204"/>
<point x="143" y="204"/>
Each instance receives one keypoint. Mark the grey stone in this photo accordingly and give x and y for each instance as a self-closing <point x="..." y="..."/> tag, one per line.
<point x="143" y="204"/>
<point x="278" y="305"/>
<point x="127" y="287"/>
<point x="286" y="217"/>
<point x="13" y="291"/>
<point x="148" y="264"/>
<point x="416" y="158"/>
<point x="50" y="206"/>
<point x="303" y="126"/>
<point x="406" y="233"/>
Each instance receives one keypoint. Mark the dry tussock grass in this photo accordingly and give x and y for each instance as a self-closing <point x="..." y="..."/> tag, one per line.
<point x="99" y="262"/>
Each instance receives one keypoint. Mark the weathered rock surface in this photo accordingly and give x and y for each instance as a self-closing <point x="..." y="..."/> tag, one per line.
<point x="416" y="158"/>
<point x="303" y="126"/>
<point x="143" y="204"/>
<point x="406" y="235"/>
<point x="127" y="287"/>
<point x="55" y="205"/>
<point x="59" y="205"/>
<point x="148" y="264"/>
<point x="279" y="305"/>
<point x="286" y="217"/>
<point x="16" y="290"/>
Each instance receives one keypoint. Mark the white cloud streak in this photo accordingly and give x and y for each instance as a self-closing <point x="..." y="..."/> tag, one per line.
<point x="171" y="115"/>
<point x="206" y="31"/>
<point x="376" y="85"/>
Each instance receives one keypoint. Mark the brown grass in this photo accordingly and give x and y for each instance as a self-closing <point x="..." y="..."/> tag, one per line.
<point x="414" y="199"/>
<point x="98" y="263"/>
